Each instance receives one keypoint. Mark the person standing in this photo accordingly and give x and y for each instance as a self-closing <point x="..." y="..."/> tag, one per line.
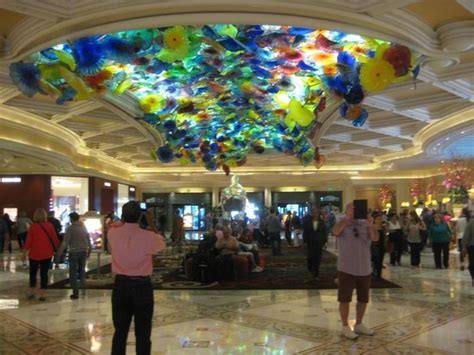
<point x="40" y="246"/>
<point x="395" y="238"/>
<point x="354" y="237"/>
<point x="132" y="250"/>
<point x="23" y="223"/>
<point x="316" y="236"/>
<point x="55" y="222"/>
<point x="288" y="227"/>
<point x="273" y="230"/>
<point x="79" y="246"/>
<point x="439" y="234"/>
<point x="3" y="235"/>
<point x="177" y="229"/>
<point x="414" y="228"/>
<point x="460" y="225"/>
<point x="468" y="246"/>
<point x="9" y="223"/>
<point x="377" y="247"/>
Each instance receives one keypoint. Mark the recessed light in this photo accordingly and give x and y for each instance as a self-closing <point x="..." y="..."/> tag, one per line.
<point x="462" y="132"/>
<point x="447" y="138"/>
<point x="438" y="144"/>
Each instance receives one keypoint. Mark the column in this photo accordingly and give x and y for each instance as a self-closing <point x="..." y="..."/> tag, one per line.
<point x="347" y="194"/>
<point x="402" y="194"/>
<point x="215" y="197"/>
<point x="267" y="197"/>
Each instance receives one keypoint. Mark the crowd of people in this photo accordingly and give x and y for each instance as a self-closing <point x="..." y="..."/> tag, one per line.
<point x="361" y="243"/>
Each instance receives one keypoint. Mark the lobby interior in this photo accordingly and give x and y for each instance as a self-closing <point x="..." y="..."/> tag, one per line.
<point x="98" y="151"/>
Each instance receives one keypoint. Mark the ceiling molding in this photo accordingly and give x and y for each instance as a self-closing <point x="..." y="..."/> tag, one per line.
<point x="121" y="112"/>
<point x="427" y="134"/>
<point x="457" y="36"/>
<point x="468" y="4"/>
<point x="30" y="130"/>
<point x="400" y="26"/>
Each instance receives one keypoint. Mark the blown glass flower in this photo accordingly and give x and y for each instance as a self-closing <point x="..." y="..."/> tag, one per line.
<point x="165" y="154"/>
<point x="152" y="103"/>
<point x="176" y="44"/>
<point x="26" y="77"/>
<point x="89" y="55"/>
<point x="376" y="75"/>
<point x="399" y="57"/>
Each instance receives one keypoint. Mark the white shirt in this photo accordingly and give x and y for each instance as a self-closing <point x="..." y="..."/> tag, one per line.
<point x="461" y="224"/>
<point x="315" y="225"/>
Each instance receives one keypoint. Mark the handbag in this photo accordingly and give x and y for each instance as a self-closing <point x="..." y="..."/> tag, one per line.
<point x="49" y="238"/>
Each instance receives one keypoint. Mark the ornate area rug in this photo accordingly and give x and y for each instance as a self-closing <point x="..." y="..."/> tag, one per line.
<point x="288" y="271"/>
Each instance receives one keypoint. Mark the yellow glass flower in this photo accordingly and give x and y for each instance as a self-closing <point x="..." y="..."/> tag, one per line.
<point x="175" y="44"/>
<point x="152" y="103"/>
<point x="376" y="75"/>
<point x="298" y="114"/>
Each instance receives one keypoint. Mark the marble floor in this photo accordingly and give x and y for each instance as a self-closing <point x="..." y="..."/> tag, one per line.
<point x="433" y="313"/>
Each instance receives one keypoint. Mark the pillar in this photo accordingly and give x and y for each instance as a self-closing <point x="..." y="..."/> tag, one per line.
<point x="267" y="197"/>
<point x="402" y="194"/>
<point x="215" y="197"/>
<point x="347" y="194"/>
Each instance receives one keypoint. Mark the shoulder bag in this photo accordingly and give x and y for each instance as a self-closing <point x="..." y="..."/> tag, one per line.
<point x="49" y="238"/>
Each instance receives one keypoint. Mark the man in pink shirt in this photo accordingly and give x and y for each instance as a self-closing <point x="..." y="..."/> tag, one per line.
<point x="132" y="251"/>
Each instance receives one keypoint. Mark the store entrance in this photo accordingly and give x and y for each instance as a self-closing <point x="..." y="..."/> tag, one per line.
<point x="300" y="208"/>
<point x="194" y="216"/>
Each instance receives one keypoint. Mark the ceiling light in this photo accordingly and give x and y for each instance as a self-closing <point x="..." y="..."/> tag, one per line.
<point x="11" y="180"/>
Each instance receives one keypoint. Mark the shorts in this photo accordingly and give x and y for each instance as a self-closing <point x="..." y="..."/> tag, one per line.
<point x="346" y="285"/>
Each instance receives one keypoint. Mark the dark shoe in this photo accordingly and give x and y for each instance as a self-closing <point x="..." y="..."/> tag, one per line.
<point x="31" y="297"/>
<point x="74" y="296"/>
<point x="42" y="299"/>
<point x="463" y="268"/>
<point x="317" y="279"/>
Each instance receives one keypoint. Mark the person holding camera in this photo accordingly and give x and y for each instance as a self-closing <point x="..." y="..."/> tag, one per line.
<point x="354" y="236"/>
<point x="132" y="250"/>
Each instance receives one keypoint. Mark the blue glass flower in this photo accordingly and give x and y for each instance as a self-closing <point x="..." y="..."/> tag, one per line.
<point x="89" y="55"/>
<point x="165" y="154"/>
<point x="26" y="77"/>
<point x="119" y="50"/>
<point x="359" y="122"/>
<point x="212" y="166"/>
<point x="355" y="95"/>
<point x="169" y="125"/>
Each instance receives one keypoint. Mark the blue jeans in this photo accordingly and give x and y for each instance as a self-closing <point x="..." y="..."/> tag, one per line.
<point x="77" y="270"/>
<point x="132" y="297"/>
<point x="275" y="239"/>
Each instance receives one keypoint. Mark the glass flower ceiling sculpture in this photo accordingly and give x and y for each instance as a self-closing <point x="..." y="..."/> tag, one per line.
<point x="220" y="92"/>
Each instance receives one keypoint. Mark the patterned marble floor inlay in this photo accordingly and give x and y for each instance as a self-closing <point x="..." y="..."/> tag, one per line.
<point x="432" y="313"/>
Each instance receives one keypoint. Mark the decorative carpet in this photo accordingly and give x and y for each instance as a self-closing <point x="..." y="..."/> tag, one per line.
<point x="287" y="271"/>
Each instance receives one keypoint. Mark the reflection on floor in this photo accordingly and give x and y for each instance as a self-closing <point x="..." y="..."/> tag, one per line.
<point x="432" y="314"/>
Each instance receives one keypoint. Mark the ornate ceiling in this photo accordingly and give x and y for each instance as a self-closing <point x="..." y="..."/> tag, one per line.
<point x="408" y="124"/>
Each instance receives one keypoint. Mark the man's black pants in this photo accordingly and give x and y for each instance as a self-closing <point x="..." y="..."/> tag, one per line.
<point x="132" y="297"/>
<point x="315" y="250"/>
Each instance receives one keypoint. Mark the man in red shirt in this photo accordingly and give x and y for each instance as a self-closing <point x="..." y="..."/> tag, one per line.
<point x="132" y="251"/>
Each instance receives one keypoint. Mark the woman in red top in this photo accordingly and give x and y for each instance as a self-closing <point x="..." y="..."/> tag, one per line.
<point x="41" y="244"/>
